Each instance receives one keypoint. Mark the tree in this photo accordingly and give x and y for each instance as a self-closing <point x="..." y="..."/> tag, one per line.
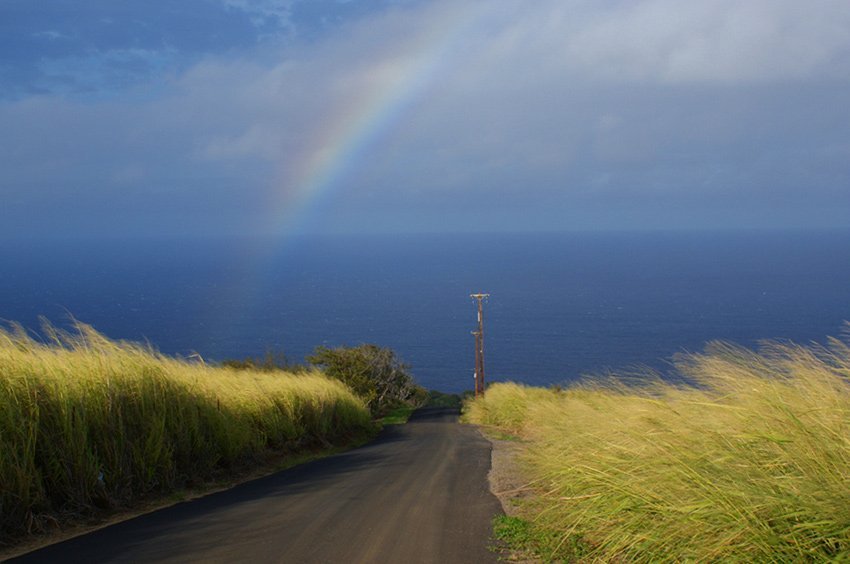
<point x="374" y="373"/>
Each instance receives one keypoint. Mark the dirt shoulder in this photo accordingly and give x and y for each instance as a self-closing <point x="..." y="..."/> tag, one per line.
<point x="510" y="485"/>
<point x="506" y="478"/>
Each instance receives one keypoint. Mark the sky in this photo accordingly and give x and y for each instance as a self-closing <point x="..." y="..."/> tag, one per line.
<point x="269" y="117"/>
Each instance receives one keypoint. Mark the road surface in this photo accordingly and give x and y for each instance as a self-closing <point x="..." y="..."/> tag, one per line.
<point x="417" y="494"/>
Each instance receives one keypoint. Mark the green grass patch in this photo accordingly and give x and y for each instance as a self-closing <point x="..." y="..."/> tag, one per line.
<point x="750" y="462"/>
<point x="515" y="532"/>
<point x="397" y="416"/>
<point x="527" y="541"/>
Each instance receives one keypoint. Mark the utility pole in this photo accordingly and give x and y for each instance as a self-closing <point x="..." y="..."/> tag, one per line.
<point x="477" y="374"/>
<point x="479" y="344"/>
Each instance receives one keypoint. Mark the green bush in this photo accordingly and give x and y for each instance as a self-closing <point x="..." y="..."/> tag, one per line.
<point x="374" y="373"/>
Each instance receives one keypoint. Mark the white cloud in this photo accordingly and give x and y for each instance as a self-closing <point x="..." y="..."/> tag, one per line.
<point x="713" y="40"/>
<point x="262" y="11"/>
<point x="50" y="34"/>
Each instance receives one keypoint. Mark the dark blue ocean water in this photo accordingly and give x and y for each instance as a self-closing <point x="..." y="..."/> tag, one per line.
<point x="561" y="305"/>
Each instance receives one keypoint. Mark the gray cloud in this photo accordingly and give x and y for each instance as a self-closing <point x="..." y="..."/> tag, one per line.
<point x="650" y="114"/>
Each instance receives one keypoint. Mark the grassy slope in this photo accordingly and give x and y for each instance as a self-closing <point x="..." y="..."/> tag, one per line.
<point x="749" y="463"/>
<point x="88" y="423"/>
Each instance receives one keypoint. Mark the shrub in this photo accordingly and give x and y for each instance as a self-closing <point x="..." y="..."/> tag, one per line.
<point x="270" y="362"/>
<point x="374" y="373"/>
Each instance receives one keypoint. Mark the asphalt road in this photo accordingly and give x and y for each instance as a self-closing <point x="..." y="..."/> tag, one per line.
<point x="417" y="494"/>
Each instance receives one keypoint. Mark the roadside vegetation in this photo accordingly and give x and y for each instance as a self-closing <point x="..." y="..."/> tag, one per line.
<point x="441" y="399"/>
<point x="270" y="362"/>
<point x="432" y="398"/>
<point x="374" y="373"/>
<point x="745" y="457"/>
<point x="397" y="416"/>
<point x="88" y="424"/>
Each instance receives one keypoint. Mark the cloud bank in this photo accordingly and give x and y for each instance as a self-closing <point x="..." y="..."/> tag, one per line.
<point x="439" y="115"/>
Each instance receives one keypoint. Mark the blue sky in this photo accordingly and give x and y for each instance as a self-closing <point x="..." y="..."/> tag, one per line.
<point x="262" y="116"/>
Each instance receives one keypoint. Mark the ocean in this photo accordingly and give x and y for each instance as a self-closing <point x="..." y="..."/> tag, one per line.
<point x="561" y="305"/>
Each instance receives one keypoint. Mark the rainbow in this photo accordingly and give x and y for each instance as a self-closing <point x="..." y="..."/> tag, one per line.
<point x="337" y="148"/>
<point x="334" y="150"/>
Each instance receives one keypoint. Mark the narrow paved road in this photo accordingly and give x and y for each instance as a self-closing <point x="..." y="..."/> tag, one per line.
<point x="417" y="494"/>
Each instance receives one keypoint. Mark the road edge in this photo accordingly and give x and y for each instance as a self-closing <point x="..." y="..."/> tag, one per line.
<point x="274" y="463"/>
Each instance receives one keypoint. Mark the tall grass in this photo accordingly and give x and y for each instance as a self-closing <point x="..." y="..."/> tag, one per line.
<point x="750" y="462"/>
<point x="87" y="422"/>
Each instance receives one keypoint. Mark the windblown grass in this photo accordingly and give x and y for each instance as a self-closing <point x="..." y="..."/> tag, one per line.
<point x="751" y="462"/>
<point x="86" y="422"/>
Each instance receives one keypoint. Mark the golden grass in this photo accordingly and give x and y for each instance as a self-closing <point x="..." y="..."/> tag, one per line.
<point x="87" y="422"/>
<point x="750" y="462"/>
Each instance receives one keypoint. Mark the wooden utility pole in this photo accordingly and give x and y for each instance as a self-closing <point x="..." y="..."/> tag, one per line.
<point x="477" y="372"/>
<point x="479" y="344"/>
